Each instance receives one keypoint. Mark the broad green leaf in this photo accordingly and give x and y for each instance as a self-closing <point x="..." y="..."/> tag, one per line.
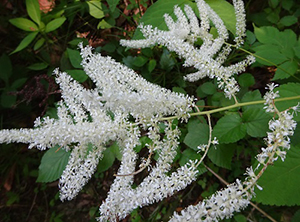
<point x="287" y="4"/>
<point x="289" y="69"/>
<point x="5" y="68"/>
<point x="155" y="13"/>
<point x="39" y="44"/>
<point x="246" y="80"/>
<point x="38" y="66"/>
<point x="269" y="54"/>
<point x="24" y="24"/>
<point x="197" y="134"/>
<point x="230" y="129"/>
<point x="280" y="182"/>
<point x="75" y="58"/>
<point x="252" y="96"/>
<point x="208" y="88"/>
<point x="256" y="121"/>
<point x="288" y="20"/>
<point x="267" y="35"/>
<point x="107" y="161"/>
<point x="95" y="9"/>
<point x="78" y="75"/>
<point x="25" y="42"/>
<point x="221" y="155"/>
<point x="289" y="90"/>
<point x="273" y="3"/>
<point x="52" y="164"/>
<point x="112" y="4"/>
<point x="103" y="24"/>
<point x="54" y="24"/>
<point x="33" y="10"/>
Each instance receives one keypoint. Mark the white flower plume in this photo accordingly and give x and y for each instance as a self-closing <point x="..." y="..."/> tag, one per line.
<point x="208" y="59"/>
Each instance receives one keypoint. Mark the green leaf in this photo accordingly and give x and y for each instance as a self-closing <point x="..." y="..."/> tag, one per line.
<point x="78" y="75"/>
<point x="139" y="61"/>
<point x="39" y="44"/>
<point x="166" y="61"/>
<point x="208" y="88"/>
<point x="288" y="20"/>
<point x="155" y="13"/>
<point x="267" y="35"/>
<point x="75" y="58"/>
<point x="7" y="100"/>
<point x="5" y="68"/>
<point x="197" y="134"/>
<point x="52" y="164"/>
<point x="25" y="42"/>
<point x="287" y="4"/>
<point x="246" y="80"/>
<point x="188" y="155"/>
<point x="33" y="10"/>
<point x="18" y="83"/>
<point x="229" y="129"/>
<point x="289" y="69"/>
<point x="107" y="161"/>
<point x="288" y="90"/>
<point x="256" y="121"/>
<point x="54" y="24"/>
<point x="24" y="24"/>
<point x="273" y="3"/>
<point x="280" y="182"/>
<point x="151" y="65"/>
<point x="38" y="66"/>
<point x="112" y="4"/>
<point x="269" y="54"/>
<point x="252" y="96"/>
<point x="221" y="155"/>
<point x="95" y="9"/>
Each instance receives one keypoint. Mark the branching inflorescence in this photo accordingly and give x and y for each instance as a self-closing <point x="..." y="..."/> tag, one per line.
<point x="89" y="119"/>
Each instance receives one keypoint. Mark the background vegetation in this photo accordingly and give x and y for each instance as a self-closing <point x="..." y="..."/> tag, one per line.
<point x="33" y="44"/>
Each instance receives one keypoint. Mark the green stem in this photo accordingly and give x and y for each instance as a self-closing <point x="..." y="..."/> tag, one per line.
<point x="232" y="107"/>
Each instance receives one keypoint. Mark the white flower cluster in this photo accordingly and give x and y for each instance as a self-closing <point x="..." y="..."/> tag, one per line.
<point x="186" y="30"/>
<point x="122" y="198"/>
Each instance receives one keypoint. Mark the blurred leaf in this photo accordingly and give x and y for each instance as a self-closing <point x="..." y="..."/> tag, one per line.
<point x="139" y="61"/>
<point x="112" y="4"/>
<point x="52" y="164"/>
<point x="288" y="20"/>
<point x="54" y="24"/>
<point x="75" y="58"/>
<point x="287" y="4"/>
<point x="25" y="42"/>
<point x="230" y="129"/>
<point x="24" y="24"/>
<point x="197" y="134"/>
<point x="280" y="182"/>
<point x="95" y="9"/>
<point x="5" y="68"/>
<point x="38" y="66"/>
<point x="78" y="75"/>
<point x="33" y="10"/>
<point x="18" y="83"/>
<point x="39" y="44"/>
